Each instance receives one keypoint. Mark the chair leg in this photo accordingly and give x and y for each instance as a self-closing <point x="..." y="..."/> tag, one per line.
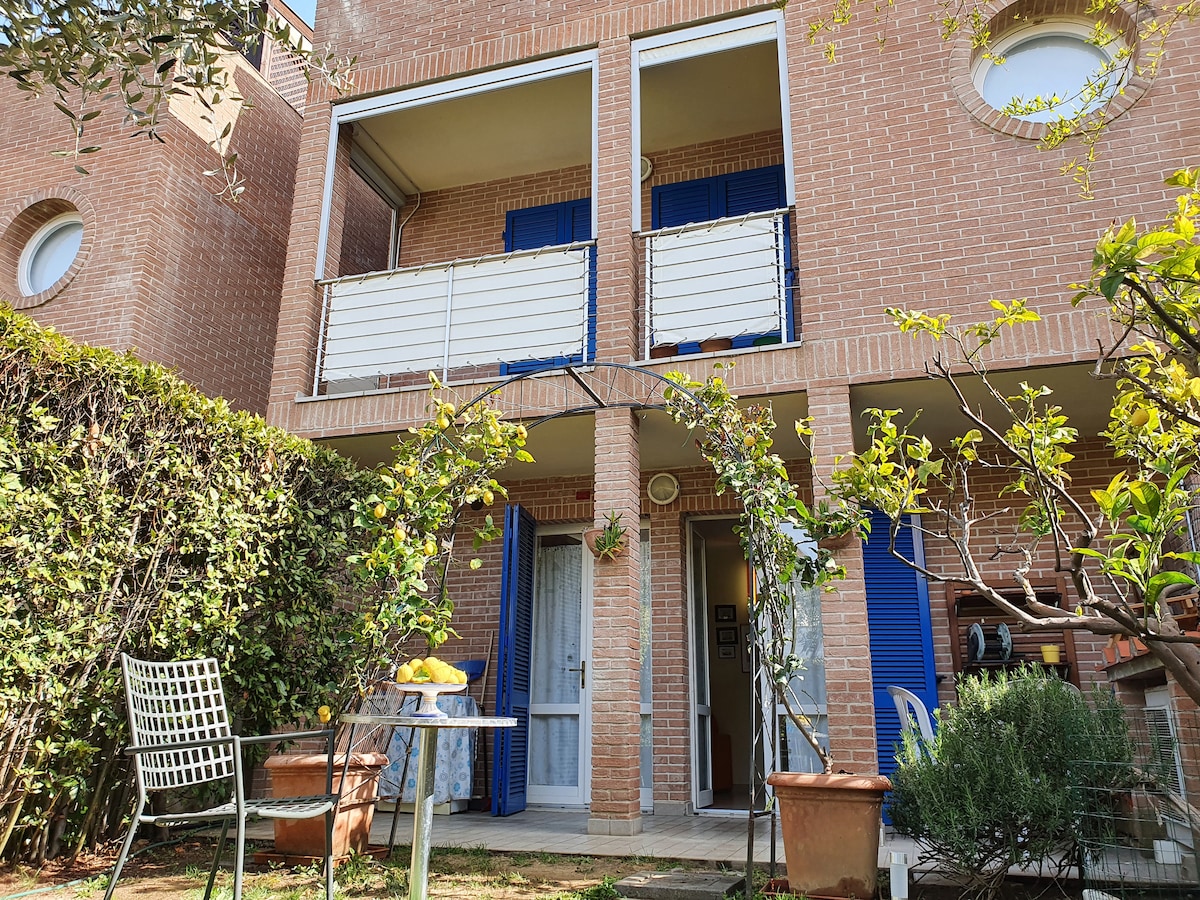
<point x="212" y="873"/>
<point x="124" y="855"/>
<point x="239" y="857"/>
<point x="329" y="853"/>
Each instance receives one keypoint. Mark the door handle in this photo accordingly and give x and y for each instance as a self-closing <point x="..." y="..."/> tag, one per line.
<point x="582" y="670"/>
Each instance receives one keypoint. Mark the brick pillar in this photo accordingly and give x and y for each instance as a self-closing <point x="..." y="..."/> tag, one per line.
<point x="616" y="721"/>
<point x="616" y="263"/>
<point x="849" y="696"/>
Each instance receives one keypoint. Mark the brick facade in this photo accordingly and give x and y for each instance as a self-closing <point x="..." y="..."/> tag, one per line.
<point x="905" y="195"/>
<point x="166" y="268"/>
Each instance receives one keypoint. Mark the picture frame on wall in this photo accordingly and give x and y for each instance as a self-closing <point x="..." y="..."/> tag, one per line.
<point x="726" y="651"/>
<point x="725" y="612"/>
<point x="727" y="636"/>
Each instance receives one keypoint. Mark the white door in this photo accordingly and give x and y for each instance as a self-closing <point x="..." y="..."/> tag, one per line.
<point x="702" y="715"/>
<point x="560" y="679"/>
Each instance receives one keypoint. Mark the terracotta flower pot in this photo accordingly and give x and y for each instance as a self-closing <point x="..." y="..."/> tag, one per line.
<point x="713" y="345"/>
<point x="303" y="775"/>
<point x="830" y="827"/>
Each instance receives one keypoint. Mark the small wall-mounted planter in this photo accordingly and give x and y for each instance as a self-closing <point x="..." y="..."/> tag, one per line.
<point x="714" y="345"/>
<point x="593" y="539"/>
<point x="1051" y="654"/>
<point x="662" y="351"/>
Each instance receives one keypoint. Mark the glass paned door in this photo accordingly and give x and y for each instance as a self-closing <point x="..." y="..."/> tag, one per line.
<point x="559" y="721"/>
<point x="702" y="737"/>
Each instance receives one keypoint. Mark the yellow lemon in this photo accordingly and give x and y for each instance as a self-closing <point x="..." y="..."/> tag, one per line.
<point x="410" y="471"/>
<point x="324" y="714"/>
<point x="430" y="548"/>
<point x="1139" y="418"/>
<point x="380" y="510"/>
<point x="404" y="674"/>
<point x="488" y="497"/>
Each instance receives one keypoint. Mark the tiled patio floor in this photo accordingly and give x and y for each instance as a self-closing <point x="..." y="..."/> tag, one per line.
<point x="711" y="839"/>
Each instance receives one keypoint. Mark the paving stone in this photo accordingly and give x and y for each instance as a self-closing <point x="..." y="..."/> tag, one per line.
<point x="680" y="885"/>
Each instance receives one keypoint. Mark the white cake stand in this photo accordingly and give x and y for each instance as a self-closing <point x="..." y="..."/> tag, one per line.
<point x="429" y="691"/>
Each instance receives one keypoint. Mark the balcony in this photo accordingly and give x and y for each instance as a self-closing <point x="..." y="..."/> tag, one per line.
<point x="725" y="280"/>
<point x="490" y="315"/>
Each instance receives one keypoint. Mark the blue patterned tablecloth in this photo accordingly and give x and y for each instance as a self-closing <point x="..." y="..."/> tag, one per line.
<point x="455" y="769"/>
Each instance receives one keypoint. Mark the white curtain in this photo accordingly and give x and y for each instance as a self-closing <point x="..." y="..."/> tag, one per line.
<point x="557" y="620"/>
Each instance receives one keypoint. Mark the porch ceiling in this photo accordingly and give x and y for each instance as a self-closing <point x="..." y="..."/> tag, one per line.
<point x="533" y="127"/>
<point x="545" y="125"/>
<point x="706" y="98"/>
<point x="566" y="446"/>
<point x="1084" y="400"/>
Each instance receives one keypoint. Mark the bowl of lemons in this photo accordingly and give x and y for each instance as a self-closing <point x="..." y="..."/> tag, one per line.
<point x="429" y="677"/>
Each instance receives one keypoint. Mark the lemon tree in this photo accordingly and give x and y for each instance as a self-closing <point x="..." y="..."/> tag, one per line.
<point x="440" y="470"/>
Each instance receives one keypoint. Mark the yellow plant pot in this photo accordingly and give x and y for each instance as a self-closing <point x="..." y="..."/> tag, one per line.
<point x="1051" y="654"/>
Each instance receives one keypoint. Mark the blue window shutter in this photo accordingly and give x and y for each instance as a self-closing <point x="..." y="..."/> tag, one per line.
<point x="756" y="190"/>
<point x="683" y="202"/>
<point x="511" y="759"/>
<point x="536" y="226"/>
<point x="578" y="220"/>
<point x="900" y="630"/>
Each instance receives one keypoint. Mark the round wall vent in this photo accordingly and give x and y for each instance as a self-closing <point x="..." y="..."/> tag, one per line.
<point x="662" y="488"/>
<point x="647" y="167"/>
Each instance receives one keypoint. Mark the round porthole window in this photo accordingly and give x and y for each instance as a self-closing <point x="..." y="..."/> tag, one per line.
<point x="1053" y="61"/>
<point x="1077" y="62"/>
<point x="49" y="253"/>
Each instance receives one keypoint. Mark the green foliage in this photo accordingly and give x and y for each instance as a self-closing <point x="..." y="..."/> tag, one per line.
<point x="779" y="533"/>
<point x="411" y="521"/>
<point x="138" y="516"/>
<point x="1010" y="775"/>
<point x="1123" y="547"/>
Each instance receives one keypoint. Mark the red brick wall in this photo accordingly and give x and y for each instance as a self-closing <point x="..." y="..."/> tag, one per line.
<point x="469" y="221"/>
<point x="367" y="235"/>
<point x="186" y="279"/>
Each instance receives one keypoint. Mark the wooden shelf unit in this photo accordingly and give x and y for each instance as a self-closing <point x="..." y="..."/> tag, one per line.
<point x="965" y="607"/>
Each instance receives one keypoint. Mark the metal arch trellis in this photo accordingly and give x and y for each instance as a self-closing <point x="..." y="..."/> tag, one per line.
<point x="583" y="388"/>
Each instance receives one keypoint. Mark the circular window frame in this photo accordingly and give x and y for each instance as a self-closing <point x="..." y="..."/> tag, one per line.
<point x="39" y="240"/>
<point x="1016" y="22"/>
<point x="28" y="220"/>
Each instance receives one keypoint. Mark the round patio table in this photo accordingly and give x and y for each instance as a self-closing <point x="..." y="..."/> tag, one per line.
<point x="418" y="875"/>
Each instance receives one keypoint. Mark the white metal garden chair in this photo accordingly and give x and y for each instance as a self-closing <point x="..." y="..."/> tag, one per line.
<point x="181" y="737"/>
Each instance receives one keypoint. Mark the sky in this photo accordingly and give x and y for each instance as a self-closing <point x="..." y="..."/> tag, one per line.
<point x="305" y="9"/>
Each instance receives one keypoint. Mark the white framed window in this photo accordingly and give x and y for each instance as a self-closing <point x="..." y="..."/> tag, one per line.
<point x="1051" y="59"/>
<point x="48" y="255"/>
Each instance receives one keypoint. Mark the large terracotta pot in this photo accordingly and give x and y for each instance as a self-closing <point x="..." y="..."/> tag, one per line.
<point x="830" y="829"/>
<point x="303" y="775"/>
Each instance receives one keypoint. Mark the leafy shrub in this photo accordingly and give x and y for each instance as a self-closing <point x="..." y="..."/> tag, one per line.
<point x="1005" y="780"/>
<point x="137" y="515"/>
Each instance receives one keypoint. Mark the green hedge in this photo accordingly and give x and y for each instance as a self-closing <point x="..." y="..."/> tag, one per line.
<point x="137" y="515"/>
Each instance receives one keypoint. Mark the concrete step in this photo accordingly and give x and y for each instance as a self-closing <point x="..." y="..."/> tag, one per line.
<point x="679" y="885"/>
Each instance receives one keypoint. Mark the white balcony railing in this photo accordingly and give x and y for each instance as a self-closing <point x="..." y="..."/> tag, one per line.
<point x="718" y="279"/>
<point x="526" y="305"/>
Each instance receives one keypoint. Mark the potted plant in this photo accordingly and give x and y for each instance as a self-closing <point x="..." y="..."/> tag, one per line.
<point x="607" y="542"/>
<point x="830" y="821"/>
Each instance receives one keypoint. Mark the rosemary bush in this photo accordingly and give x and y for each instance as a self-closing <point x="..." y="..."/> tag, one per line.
<point x="1006" y="779"/>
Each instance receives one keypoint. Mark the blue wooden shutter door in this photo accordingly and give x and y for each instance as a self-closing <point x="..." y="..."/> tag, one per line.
<point x="511" y="759"/>
<point x="900" y="630"/>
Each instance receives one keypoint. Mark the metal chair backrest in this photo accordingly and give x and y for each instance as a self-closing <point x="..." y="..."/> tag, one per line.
<point x="911" y="709"/>
<point x="177" y="702"/>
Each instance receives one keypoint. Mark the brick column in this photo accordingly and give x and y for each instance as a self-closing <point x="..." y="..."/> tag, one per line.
<point x="616" y="262"/>
<point x="616" y="721"/>
<point x="849" y="696"/>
